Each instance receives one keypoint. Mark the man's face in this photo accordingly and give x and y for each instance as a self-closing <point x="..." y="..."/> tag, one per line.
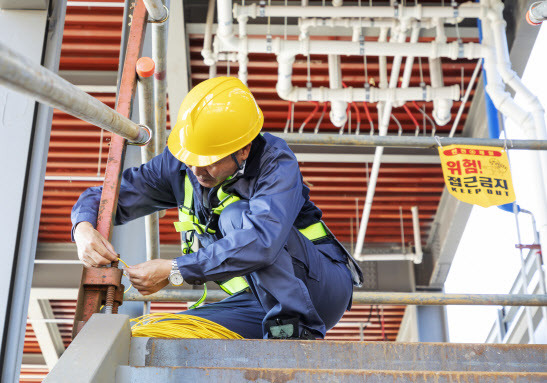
<point x="216" y="173"/>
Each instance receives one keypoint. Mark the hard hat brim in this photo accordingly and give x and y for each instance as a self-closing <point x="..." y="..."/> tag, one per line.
<point x="180" y="152"/>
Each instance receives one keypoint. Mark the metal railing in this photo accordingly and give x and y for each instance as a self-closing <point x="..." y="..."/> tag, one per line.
<point x="513" y="322"/>
<point x="406" y="141"/>
<point x="421" y="299"/>
<point x="21" y="75"/>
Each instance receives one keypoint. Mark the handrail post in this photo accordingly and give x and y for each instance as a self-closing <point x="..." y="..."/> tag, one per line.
<point x="145" y="89"/>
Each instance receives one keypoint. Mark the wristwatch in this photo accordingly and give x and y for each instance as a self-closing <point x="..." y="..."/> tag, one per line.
<point x="175" y="277"/>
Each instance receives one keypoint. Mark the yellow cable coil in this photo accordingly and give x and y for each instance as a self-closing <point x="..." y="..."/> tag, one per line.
<point x="166" y="325"/>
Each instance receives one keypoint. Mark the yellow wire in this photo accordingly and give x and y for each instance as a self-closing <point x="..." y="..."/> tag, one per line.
<point x="166" y="325"/>
<point x="129" y="288"/>
<point x="119" y="259"/>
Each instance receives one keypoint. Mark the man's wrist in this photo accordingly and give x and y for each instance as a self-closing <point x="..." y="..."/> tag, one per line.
<point x="82" y="226"/>
<point x="175" y="277"/>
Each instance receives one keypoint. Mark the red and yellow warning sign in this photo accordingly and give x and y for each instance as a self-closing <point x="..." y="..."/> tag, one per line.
<point x="479" y="175"/>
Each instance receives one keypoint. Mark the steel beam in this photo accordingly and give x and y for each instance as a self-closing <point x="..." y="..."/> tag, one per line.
<point x="94" y="355"/>
<point x="204" y="374"/>
<point x="337" y="355"/>
<point x="376" y="298"/>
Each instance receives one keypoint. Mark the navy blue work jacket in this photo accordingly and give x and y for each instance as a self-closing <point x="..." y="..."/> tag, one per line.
<point x="271" y="182"/>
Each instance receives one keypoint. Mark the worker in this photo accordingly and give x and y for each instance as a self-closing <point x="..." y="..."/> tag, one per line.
<point x="241" y="194"/>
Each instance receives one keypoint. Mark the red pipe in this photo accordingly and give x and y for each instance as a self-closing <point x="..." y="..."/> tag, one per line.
<point x="311" y="114"/>
<point x="411" y="116"/>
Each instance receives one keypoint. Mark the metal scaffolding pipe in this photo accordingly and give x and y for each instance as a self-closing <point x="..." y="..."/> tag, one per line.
<point x="380" y="298"/>
<point x="155" y="9"/>
<point x="145" y="89"/>
<point x="159" y="55"/>
<point x="406" y="141"/>
<point x="21" y="75"/>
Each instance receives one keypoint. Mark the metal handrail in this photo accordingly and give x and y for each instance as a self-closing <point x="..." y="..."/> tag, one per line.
<point x="406" y="141"/>
<point x="421" y="299"/>
<point x="21" y="75"/>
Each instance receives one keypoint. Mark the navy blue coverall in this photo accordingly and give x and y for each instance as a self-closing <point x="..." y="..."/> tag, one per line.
<point x="289" y="275"/>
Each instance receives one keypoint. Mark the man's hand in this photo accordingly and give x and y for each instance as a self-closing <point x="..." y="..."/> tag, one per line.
<point x="93" y="249"/>
<point x="149" y="277"/>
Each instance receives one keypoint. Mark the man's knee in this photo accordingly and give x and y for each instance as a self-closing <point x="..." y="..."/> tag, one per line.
<point x="232" y="216"/>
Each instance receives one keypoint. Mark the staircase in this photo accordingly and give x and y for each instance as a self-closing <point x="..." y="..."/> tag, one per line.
<point x="150" y="360"/>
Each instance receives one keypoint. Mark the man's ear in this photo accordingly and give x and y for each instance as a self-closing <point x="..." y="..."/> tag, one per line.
<point x="244" y="152"/>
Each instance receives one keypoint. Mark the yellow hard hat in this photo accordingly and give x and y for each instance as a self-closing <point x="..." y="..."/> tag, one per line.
<point x="217" y="117"/>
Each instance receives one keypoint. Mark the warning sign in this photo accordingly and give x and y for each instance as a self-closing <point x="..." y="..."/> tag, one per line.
<point x="479" y="175"/>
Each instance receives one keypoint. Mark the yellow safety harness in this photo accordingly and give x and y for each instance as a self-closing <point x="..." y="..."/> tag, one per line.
<point x="189" y="223"/>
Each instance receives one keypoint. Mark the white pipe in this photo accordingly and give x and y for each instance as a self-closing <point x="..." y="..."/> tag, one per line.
<point x="467" y="10"/>
<point x="350" y="94"/>
<point x="441" y="108"/>
<point x="353" y="22"/>
<point x="75" y="178"/>
<point x="382" y="38"/>
<point x="224" y="15"/>
<point x="337" y="3"/>
<point x="400" y="36"/>
<point x="58" y="262"/>
<point x="388" y="257"/>
<point x="407" y="74"/>
<point x="371" y="48"/>
<point x="284" y="75"/>
<point x="242" y="54"/>
<point x="206" y="52"/>
<point x="498" y="67"/>
<point x="465" y="98"/>
<point x="417" y="235"/>
<point x="337" y="114"/>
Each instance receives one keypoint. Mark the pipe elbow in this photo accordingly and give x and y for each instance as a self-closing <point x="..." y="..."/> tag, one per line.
<point x="441" y="112"/>
<point x="287" y="93"/>
<point x="208" y="57"/>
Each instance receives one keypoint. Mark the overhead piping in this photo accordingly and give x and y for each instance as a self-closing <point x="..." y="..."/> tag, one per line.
<point x="532" y="122"/>
<point x="400" y="36"/>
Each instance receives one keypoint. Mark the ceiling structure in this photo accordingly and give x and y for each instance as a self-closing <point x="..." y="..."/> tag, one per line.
<point x="337" y="176"/>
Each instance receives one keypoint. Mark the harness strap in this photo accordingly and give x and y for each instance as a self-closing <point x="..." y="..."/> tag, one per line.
<point x="189" y="223"/>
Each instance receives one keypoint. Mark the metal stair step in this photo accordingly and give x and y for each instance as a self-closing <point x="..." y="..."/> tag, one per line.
<point x="125" y="374"/>
<point x="388" y="356"/>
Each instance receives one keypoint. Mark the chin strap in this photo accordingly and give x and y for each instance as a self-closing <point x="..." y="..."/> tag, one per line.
<point x="239" y="166"/>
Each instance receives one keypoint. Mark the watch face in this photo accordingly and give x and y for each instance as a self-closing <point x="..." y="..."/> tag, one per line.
<point x="176" y="279"/>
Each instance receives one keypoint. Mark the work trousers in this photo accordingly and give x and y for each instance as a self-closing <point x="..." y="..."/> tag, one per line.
<point x="308" y="280"/>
